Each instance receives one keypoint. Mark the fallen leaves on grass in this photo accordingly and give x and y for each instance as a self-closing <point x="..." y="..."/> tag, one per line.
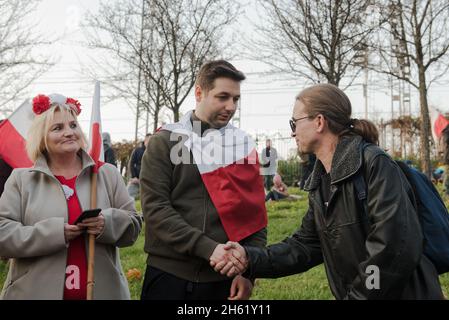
<point x="133" y="274"/>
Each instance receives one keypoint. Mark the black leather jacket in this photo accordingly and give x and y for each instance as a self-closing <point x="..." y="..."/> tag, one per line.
<point x="342" y="238"/>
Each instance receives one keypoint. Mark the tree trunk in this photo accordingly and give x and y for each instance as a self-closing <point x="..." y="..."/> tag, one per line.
<point x="331" y="79"/>
<point x="425" y="124"/>
<point x="176" y="114"/>
<point x="155" y="119"/>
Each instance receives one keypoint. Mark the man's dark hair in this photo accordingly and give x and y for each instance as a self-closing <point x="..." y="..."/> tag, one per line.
<point x="217" y="69"/>
<point x="148" y="135"/>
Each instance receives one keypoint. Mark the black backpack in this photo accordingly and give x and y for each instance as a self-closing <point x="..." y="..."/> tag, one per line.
<point x="432" y="214"/>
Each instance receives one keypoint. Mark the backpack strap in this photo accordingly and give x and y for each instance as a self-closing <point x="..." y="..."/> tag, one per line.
<point x="362" y="191"/>
<point x="360" y="185"/>
<point x="359" y="179"/>
<point x="406" y="171"/>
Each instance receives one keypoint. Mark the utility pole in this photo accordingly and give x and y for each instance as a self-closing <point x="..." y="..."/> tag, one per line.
<point x="365" y="86"/>
<point x="362" y="61"/>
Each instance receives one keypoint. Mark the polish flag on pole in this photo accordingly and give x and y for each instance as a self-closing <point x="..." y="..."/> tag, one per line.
<point x="95" y="138"/>
<point x="438" y="122"/>
<point x="96" y="152"/>
<point x="13" y="134"/>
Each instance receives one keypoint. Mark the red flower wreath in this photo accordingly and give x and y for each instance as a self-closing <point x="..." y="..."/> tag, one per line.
<point x="41" y="103"/>
<point x="75" y="103"/>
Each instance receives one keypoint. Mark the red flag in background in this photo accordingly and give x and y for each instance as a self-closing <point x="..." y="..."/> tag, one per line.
<point x="438" y="122"/>
<point x="13" y="134"/>
<point x="95" y="139"/>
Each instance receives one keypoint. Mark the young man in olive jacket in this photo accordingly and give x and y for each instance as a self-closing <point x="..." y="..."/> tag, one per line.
<point x="375" y="252"/>
<point x="193" y="207"/>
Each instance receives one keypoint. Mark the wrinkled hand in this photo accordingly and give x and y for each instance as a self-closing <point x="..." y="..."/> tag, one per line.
<point x="241" y="288"/>
<point x="229" y="259"/>
<point x="94" y="225"/>
<point x="71" y="232"/>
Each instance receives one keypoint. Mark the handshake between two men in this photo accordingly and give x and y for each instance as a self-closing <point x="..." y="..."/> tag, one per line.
<point x="229" y="259"/>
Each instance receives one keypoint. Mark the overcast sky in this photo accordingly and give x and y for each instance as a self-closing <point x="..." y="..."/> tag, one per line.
<point x="266" y="102"/>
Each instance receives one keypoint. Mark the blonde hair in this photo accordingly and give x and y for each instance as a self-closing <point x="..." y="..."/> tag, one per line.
<point x="36" y="144"/>
<point x="335" y="106"/>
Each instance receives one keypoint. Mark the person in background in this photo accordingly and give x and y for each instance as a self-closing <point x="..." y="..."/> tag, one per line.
<point x="134" y="167"/>
<point x="109" y="153"/>
<point x="40" y="206"/>
<point x="278" y="191"/>
<point x="268" y="164"/>
<point x="438" y="175"/>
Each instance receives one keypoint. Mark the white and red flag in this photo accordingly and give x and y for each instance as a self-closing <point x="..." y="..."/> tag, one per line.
<point x="95" y="138"/>
<point x="13" y="135"/>
<point x="438" y="122"/>
<point x="228" y="163"/>
<point x="14" y="130"/>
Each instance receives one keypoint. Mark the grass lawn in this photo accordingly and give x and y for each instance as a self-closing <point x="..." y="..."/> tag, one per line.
<point x="284" y="217"/>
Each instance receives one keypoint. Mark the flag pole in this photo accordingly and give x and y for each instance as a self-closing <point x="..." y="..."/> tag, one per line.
<point x="91" y="259"/>
<point x="96" y="154"/>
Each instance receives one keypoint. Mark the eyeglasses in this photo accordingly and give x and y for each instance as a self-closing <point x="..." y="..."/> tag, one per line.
<point x="293" y="121"/>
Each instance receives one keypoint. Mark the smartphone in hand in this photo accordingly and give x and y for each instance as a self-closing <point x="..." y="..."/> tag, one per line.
<point x="88" y="214"/>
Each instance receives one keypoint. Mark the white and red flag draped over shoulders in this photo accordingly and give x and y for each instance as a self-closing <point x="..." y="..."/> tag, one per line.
<point x="95" y="137"/>
<point x="13" y="135"/>
<point x="438" y="122"/>
<point x="228" y="163"/>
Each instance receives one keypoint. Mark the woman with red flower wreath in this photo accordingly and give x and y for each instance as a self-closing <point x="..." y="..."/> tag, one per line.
<point x="40" y="207"/>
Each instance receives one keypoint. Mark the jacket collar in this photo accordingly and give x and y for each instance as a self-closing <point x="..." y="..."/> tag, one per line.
<point x="346" y="162"/>
<point x="204" y="125"/>
<point x="41" y="163"/>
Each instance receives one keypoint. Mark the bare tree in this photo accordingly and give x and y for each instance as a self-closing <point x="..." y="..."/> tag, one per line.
<point x="162" y="43"/>
<point x="193" y="32"/>
<point x="319" y="40"/>
<point x="418" y="53"/>
<point x="122" y="33"/>
<point x="21" y="58"/>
